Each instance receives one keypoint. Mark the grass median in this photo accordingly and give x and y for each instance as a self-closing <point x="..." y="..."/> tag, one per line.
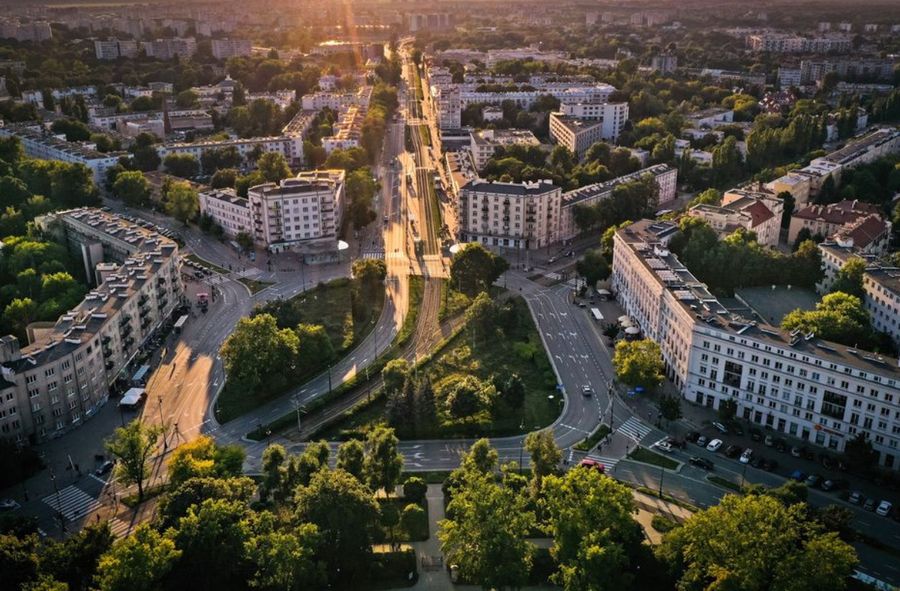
<point x="642" y="454"/>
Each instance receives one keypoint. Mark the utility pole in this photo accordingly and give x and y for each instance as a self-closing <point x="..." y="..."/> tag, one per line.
<point x="162" y="423"/>
<point x="662" y="473"/>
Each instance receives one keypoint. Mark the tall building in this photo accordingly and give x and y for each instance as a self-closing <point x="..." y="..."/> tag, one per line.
<point x="223" y="49"/>
<point x="819" y="392"/>
<point x="579" y="126"/>
<point x="60" y="380"/>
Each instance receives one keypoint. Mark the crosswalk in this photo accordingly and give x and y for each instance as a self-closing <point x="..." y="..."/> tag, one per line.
<point x="72" y="502"/>
<point x="118" y="527"/>
<point x="608" y="463"/>
<point x="373" y="254"/>
<point x="634" y="429"/>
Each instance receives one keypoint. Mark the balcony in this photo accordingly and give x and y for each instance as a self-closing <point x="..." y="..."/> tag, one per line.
<point x="126" y="330"/>
<point x="161" y="281"/>
<point x="129" y="342"/>
<point x="107" y="352"/>
<point x="144" y="311"/>
<point x="142" y="300"/>
<point x="105" y="340"/>
<point x="163" y="302"/>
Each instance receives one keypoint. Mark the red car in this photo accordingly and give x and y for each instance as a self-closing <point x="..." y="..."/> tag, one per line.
<point x="594" y="464"/>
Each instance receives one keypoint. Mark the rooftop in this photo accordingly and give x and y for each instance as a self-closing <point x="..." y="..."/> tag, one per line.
<point x="532" y="188"/>
<point x="842" y="212"/>
<point x="591" y="191"/>
<point x="858" y="146"/>
<point x="772" y="304"/>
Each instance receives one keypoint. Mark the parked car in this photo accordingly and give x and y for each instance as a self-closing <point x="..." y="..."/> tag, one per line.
<point x="856" y="498"/>
<point x="798" y="475"/>
<point x="795" y="451"/>
<point x="720" y="427"/>
<point x="692" y="436"/>
<point x="769" y="441"/>
<point x="869" y="505"/>
<point x="714" y="445"/>
<point x="813" y="480"/>
<point x="884" y="508"/>
<point x="733" y="451"/>
<point x="702" y="463"/>
<point x="807" y="454"/>
<point x="834" y="484"/>
<point x="702" y="441"/>
<point x="756" y="434"/>
<point x="758" y="462"/>
<point x="746" y="456"/>
<point x="664" y="446"/>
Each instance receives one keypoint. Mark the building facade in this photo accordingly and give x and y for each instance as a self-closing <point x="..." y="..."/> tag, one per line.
<point x="522" y="216"/>
<point x="486" y="141"/>
<point x="59" y="381"/>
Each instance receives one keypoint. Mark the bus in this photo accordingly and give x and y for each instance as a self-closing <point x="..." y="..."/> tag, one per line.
<point x="139" y="379"/>
<point x="179" y="324"/>
<point x="596" y="314"/>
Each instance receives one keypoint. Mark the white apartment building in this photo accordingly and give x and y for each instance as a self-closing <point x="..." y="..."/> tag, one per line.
<point x="228" y="210"/>
<point x="666" y="178"/>
<point x="777" y="43"/>
<point x="347" y="130"/>
<point x="711" y="118"/>
<point x="726" y="219"/>
<point x="58" y="382"/>
<point x="303" y="210"/>
<point x="223" y="49"/>
<point x="511" y="215"/>
<point x="166" y="49"/>
<point x="819" y="392"/>
<point x="447" y="106"/>
<point x="485" y="142"/>
<point x="337" y="101"/>
<point x="106" y="50"/>
<point x="290" y="146"/>
<point x="578" y="126"/>
<point x="40" y="143"/>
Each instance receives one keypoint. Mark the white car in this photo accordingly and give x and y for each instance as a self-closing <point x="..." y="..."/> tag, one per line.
<point x="714" y="445"/>
<point x="8" y="505"/>
<point x="746" y="456"/>
<point x="884" y="508"/>
<point x="587" y="391"/>
<point x="665" y="446"/>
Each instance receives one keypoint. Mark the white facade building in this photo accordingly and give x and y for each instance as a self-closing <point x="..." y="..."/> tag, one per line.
<point x="486" y="141"/>
<point x="228" y="210"/>
<point x="222" y="49"/>
<point x="511" y="215"/>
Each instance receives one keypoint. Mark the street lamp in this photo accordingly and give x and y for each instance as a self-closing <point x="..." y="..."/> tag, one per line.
<point x="162" y="423"/>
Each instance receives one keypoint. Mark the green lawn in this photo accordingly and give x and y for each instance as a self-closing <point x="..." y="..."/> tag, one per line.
<point x="329" y="305"/>
<point x="521" y="353"/>
<point x="724" y="483"/>
<point x="642" y="454"/>
<point x="588" y="443"/>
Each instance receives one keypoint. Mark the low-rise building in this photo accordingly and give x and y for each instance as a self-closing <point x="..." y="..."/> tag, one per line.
<point x="347" y="130"/>
<point x="289" y="146"/>
<point x="711" y="118"/>
<point x="486" y="141"/>
<point x="828" y="220"/>
<point x="60" y="380"/>
<point x="230" y="212"/>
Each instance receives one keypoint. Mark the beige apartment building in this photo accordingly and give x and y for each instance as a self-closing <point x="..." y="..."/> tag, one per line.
<point x="510" y="215"/>
<point x="56" y="383"/>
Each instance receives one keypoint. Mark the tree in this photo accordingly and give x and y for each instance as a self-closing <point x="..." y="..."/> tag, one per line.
<point x="273" y="167"/>
<point x="183" y="165"/>
<point x="481" y="315"/>
<point x="18" y="314"/>
<point x="383" y="462"/>
<point x="708" y="197"/>
<point x="370" y="273"/>
<point x="484" y="533"/>
<point x="860" y="454"/>
<point x="74" y="561"/>
<point x="360" y="188"/>
<point x="414" y="489"/>
<point x="850" y="277"/>
<point x="474" y="269"/>
<point x="143" y="153"/>
<point x="202" y="457"/>
<point x="413" y="519"/>
<point x="670" y="407"/>
<point x="595" y="537"/>
<point x="731" y="545"/>
<point x="132" y="446"/>
<point x="727" y="410"/>
<point x="466" y="397"/>
<point x="351" y="458"/>
<point x="260" y="355"/>
<point x="389" y="519"/>
<point x="838" y="317"/>
<point x="272" y="471"/>
<point x="395" y="374"/>
<point x="138" y="562"/>
<point x="727" y="161"/>
<point x="18" y="559"/>
<point x="545" y="455"/>
<point x="132" y="187"/>
<point x="175" y="504"/>
<point x="638" y="363"/>
<point x="187" y="99"/>
<point x="74" y="130"/>
<point x="244" y="240"/>
<point x="481" y="458"/>
<point x="285" y="561"/>
<point x="223" y="178"/>
<point x="343" y="510"/>
<point x="593" y="266"/>
<point x="183" y="204"/>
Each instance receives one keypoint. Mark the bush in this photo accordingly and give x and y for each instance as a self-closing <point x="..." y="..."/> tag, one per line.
<point x="391" y="569"/>
<point x="414" y="489"/>
<point x="415" y="521"/>
<point x="662" y="524"/>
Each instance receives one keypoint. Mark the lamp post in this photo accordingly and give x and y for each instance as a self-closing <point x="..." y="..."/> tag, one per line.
<point x="162" y="423"/>
<point x="662" y="473"/>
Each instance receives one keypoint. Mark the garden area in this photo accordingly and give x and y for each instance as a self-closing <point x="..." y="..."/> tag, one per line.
<point x="492" y="378"/>
<point x="284" y="343"/>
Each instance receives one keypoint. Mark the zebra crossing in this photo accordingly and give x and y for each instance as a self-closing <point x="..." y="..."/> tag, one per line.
<point x="634" y="429"/>
<point x="373" y="254"/>
<point x="609" y="464"/>
<point x="118" y="527"/>
<point x="72" y="502"/>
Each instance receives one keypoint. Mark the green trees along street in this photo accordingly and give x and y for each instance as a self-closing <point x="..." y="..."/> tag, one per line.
<point x="132" y="446"/>
<point x="474" y="269"/>
<point x="638" y="363"/>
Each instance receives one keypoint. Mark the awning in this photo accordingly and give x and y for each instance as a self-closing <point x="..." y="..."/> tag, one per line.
<point x="632" y="330"/>
<point x="132" y="397"/>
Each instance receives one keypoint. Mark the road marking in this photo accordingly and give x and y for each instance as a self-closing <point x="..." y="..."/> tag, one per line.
<point x="72" y="502"/>
<point x="634" y="429"/>
<point x="608" y="463"/>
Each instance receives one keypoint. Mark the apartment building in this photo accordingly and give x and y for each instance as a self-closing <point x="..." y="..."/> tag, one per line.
<point x="59" y="381"/>
<point x="289" y="146"/>
<point x="228" y="210"/>
<point x="711" y="118"/>
<point x="828" y="220"/>
<point x="447" y="106"/>
<point x="166" y="49"/>
<point x="777" y="43"/>
<point x="222" y="49"/>
<point x="523" y="216"/>
<point x="485" y="142"/>
<point x="819" y="392"/>
<point x="337" y="101"/>
<point x="666" y="178"/>
<point x="749" y="214"/>
<point x="346" y="131"/>
<point x="580" y="125"/>
<point x="38" y="142"/>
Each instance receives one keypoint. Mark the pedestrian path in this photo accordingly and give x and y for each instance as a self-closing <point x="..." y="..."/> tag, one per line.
<point x="634" y="429"/>
<point x="72" y="502"/>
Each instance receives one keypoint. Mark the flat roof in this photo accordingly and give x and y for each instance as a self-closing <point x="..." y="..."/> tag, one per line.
<point x="772" y="303"/>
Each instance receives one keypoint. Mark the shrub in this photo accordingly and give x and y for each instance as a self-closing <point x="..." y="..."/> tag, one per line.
<point x="662" y="524"/>
<point x="414" y="489"/>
